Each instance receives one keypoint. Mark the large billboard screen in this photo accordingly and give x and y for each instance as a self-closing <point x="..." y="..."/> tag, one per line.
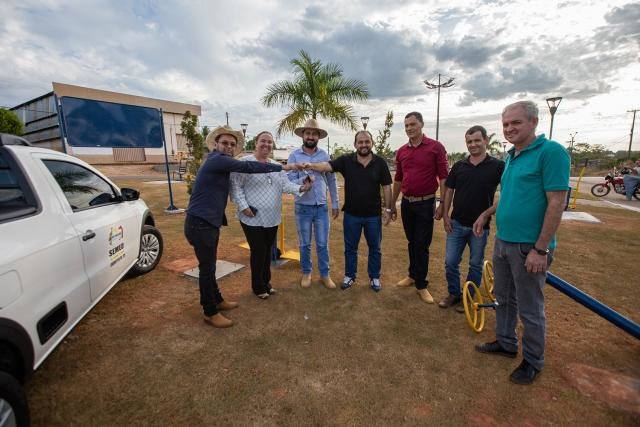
<point x="90" y="123"/>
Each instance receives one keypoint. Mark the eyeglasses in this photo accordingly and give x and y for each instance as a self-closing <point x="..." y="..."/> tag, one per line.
<point x="228" y="143"/>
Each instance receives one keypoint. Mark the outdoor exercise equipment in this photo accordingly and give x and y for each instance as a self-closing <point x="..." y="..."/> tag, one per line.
<point x="473" y="298"/>
<point x="575" y="193"/>
<point x="594" y="305"/>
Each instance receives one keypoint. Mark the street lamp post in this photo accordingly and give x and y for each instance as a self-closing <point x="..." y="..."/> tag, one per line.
<point x="573" y="136"/>
<point x="244" y="127"/>
<point x="430" y="85"/>
<point x="553" y="104"/>
<point x="365" y="120"/>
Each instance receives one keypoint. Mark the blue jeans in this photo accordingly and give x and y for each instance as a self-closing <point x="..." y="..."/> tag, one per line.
<point x="460" y="237"/>
<point x="630" y="182"/>
<point x="353" y="226"/>
<point x="313" y="219"/>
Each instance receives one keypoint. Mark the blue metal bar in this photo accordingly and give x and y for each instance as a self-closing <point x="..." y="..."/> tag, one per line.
<point x="594" y="305"/>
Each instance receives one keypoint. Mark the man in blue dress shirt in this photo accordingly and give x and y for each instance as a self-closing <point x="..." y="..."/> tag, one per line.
<point x="312" y="215"/>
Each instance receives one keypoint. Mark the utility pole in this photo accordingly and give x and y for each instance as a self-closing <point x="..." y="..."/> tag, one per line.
<point x="227" y="114"/>
<point x="631" y="134"/>
<point x="573" y="135"/>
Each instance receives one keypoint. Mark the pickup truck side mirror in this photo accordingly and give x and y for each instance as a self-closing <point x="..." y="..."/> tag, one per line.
<point x="129" y="194"/>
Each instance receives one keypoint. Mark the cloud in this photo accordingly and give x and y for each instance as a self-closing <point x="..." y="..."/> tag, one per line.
<point x="471" y="52"/>
<point x="390" y="62"/>
<point x="509" y="81"/>
<point x="623" y="26"/>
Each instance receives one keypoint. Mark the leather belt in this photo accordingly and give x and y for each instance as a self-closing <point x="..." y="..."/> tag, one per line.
<point x="418" y="198"/>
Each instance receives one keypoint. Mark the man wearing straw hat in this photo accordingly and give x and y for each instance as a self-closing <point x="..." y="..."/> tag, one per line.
<point x="205" y="215"/>
<point x="311" y="212"/>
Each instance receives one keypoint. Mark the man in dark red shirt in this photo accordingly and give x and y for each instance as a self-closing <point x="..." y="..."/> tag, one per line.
<point x="421" y="168"/>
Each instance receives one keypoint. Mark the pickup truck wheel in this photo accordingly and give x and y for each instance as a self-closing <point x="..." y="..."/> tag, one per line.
<point x="14" y="410"/>
<point x="150" y="251"/>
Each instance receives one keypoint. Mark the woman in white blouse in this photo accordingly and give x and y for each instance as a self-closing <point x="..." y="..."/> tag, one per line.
<point x="259" y="203"/>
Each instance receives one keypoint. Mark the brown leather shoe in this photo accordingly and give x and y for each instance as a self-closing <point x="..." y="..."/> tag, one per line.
<point x="305" y="282"/>
<point x="406" y="282"/>
<point x="327" y="282"/>
<point x="218" y="321"/>
<point x="449" y="301"/>
<point x="227" y="305"/>
<point x="425" y="296"/>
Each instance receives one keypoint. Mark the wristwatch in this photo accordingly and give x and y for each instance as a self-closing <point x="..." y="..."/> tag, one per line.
<point x="541" y="251"/>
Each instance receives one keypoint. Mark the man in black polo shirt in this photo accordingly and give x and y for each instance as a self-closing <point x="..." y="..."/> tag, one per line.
<point x="471" y="185"/>
<point x="364" y="173"/>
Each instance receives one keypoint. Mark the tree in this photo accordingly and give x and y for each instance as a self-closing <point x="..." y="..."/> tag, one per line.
<point x="381" y="145"/>
<point x="316" y="90"/>
<point x="205" y="131"/>
<point x="250" y="144"/>
<point x="583" y="152"/>
<point x="340" y="151"/>
<point x="494" y="147"/>
<point x="454" y="157"/>
<point x="10" y="122"/>
<point x="195" y="147"/>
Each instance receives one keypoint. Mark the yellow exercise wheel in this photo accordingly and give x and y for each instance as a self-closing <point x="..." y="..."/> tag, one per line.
<point x="487" y="277"/>
<point x="472" y="309"/>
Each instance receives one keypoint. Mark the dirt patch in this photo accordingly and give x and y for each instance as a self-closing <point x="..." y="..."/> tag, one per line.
<point x="180" y="265"/>
<point x="612" y="389"/>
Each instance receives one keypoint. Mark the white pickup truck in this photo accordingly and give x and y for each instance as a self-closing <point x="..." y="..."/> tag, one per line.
<point x="67" y="236"/>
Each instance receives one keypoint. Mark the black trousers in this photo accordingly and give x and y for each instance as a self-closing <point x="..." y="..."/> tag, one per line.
<point x="417" y="221"/>
<point x="260" y="241"/>
<point x="204" y="239"/>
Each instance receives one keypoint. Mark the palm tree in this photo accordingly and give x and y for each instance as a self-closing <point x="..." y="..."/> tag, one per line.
<point x="316" y="90"/>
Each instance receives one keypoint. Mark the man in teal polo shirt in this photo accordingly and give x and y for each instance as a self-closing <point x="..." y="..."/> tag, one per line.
<point x="533" y="190"/>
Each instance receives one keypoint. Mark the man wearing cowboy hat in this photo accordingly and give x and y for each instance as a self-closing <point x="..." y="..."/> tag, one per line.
<point x="311" y="208"/>
<point x="205" y="214"/>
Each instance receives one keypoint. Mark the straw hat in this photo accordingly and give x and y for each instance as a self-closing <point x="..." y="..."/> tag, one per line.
<point x="212" y="137"/>
<point x="310" y="124"/>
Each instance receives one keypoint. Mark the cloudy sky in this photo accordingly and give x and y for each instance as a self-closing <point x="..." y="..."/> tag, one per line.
<point x="223" y="55"/>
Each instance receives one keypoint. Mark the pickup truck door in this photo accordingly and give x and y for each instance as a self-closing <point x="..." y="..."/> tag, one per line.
<point x="109" y="229"/>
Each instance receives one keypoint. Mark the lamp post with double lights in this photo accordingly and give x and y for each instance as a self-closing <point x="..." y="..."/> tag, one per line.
<point x="553" y="104"/>
<point x="365" y="121"/>
<point x="430" y="85"/>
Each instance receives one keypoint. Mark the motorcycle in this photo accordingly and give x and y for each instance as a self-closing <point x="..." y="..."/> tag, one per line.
<point x="616" y="181"/>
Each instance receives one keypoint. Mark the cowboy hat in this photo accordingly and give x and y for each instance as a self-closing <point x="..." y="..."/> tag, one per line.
<point x="212" y="137"/>
<point x="310" y="124"/>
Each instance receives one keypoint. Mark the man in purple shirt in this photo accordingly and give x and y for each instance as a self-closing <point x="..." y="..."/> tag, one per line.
<point x="421" y="169"/>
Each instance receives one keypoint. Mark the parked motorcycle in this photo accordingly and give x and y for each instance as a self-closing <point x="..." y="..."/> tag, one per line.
<point x="615" y="181"/>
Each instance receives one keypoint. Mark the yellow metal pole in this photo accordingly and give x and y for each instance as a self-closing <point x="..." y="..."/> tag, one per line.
<point x="282" y="230"/>
<point x="575" y="193"/>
